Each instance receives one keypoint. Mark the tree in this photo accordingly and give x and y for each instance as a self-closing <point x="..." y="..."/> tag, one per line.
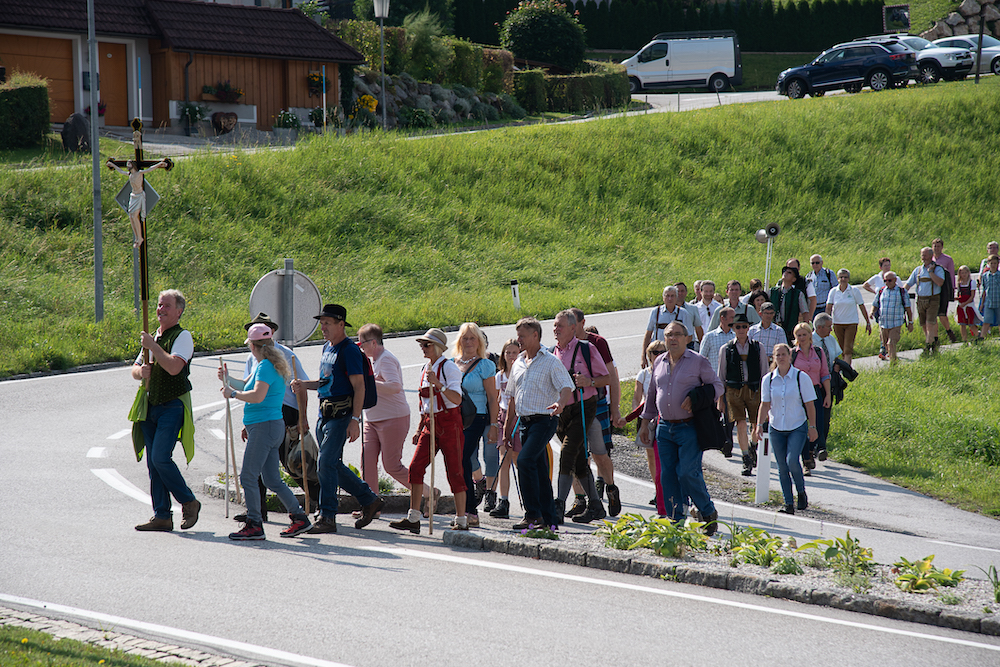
<point x="399" y="9"/>
<point x="545" y="31"/>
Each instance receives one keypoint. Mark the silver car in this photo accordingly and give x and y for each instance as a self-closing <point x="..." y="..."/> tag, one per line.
<point x="990" y="62"/>
<point x="935" y="62"/>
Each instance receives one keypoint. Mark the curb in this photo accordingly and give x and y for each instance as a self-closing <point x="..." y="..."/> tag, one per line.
<point x="650" y="565"/>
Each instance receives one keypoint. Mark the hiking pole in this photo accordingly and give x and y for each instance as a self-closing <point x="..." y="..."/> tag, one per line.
<point x="232" y="441"/>
<point x="430" y="513"/>
<point x="513" y="468"/>
<point x="301" y="400"/>
<point x="225" y="384"/>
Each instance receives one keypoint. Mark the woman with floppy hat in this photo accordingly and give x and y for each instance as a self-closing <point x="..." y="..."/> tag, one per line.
<point x="443" y="376"/>
<point x="264" y="432"/>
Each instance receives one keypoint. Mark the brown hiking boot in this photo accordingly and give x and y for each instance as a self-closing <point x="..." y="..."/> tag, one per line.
<point x="154" y="524"/>
<point x="189" y="511"/>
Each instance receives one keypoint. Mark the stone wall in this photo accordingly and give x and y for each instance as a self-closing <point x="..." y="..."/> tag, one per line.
<point x="966" y="21"/>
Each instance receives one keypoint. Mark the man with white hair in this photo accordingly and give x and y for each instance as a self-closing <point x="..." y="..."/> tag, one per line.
<point x="892" y="309"/>
<point x="661" y="316"/>
<point x="928" y="278"/>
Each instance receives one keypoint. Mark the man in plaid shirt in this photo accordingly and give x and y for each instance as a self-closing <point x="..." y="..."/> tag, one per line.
<point x="767" y="333"/>
<point x="990" y="302"/>
<point x="893" y="305"/>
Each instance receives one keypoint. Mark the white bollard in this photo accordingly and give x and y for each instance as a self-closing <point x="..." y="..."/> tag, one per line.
<point x="763" y="470"/>
<point x="516" y="294"/>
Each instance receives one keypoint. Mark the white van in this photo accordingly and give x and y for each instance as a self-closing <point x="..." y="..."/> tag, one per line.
<point x="704" y="59"/>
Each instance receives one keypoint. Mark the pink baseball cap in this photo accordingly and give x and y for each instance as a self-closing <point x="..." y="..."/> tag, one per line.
<point x="258" y="332"/>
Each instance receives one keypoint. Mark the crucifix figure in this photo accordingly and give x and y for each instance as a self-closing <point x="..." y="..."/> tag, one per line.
<point x="136" y="169"/>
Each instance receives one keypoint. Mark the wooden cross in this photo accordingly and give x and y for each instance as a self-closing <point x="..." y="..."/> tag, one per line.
<point x="143" y="264"/>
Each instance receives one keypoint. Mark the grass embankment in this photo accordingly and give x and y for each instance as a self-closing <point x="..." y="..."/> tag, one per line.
<point x="929" y="426"/>
<point x="415" y="233"/>
<point x="20" y="647"/>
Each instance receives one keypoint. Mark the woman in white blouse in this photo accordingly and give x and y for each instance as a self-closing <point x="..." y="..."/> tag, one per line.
<point x="787" y="406"/>
<point x="843" y="303"/>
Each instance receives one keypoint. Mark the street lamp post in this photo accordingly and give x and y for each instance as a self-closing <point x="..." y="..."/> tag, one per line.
<point x="382" y="12"/>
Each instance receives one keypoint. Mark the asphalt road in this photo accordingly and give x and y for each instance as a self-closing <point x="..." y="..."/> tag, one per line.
<point x="73" y="492"/>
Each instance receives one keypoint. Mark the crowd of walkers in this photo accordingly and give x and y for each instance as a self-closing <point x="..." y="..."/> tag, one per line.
<point x="756" y="362"/>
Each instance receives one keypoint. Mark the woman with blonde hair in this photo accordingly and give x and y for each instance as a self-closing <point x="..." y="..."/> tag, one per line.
<point x="478" y="382"/>
<point x="264" y="431"/>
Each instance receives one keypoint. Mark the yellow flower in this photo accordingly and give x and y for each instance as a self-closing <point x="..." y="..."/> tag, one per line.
<point x="24" y="641"/>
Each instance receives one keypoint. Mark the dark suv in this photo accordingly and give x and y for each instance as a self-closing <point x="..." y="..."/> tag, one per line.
<point x="878" y="65"/>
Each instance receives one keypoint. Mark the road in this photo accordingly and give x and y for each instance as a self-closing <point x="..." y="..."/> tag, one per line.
<point x="73" y="493"/>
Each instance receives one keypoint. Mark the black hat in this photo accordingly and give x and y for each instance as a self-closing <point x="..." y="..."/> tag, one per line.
<point x="261" y="318"/>
<point x="742" y="318"/>
<point x="336" y="311"/>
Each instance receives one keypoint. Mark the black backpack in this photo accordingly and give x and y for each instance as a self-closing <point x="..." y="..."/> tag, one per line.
<point x="371" y="395"/>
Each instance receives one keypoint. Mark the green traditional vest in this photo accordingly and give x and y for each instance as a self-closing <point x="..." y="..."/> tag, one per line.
<point x="787" y="308"/>
<point x="164" y="387"/>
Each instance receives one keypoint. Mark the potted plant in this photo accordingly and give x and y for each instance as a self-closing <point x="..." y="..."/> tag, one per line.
<point x="101" y="108"/>
<point x="224" y="92"/>
<point x="191" y="113"/>
<point x="318" y="83"/>
<point x="286" y="124"/>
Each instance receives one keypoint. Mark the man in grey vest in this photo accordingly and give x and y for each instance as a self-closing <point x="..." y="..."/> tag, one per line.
<point x="168" y="415"/>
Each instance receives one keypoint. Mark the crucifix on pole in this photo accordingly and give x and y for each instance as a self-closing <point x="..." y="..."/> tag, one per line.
<point x="138" y="198"/>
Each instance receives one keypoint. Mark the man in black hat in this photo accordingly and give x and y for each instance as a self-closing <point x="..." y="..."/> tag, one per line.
<point x="289" y="405"/>
<point x="742" y="363"/>
<point x="341" y="390"/>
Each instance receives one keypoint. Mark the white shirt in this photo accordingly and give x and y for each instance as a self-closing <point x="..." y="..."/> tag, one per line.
<point x="706" y="312"/>
<point x="659" y="316"/>
<point x="449" y="376"/>
<point x="832" y="347"/>
<point x="876" y="282"/>
<point x="845" y="304"/>
<point x="787" y="412"/>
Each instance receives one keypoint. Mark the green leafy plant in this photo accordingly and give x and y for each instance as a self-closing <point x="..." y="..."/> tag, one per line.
<point x="544" y="30"/>
<point x="787" y="565"/>
<point x="844" y="554"/>
<point x="385" y="485"/>
<point x="949" y="598"/>
<point x="856" y="581"/>
<point x="288" y="120"/>
<point x="755" y="545"/>
<point x="994" y="578"/>
<point x="192" y="112"/>
<point x="667" y="538"/>
<point x="415" y="118"/>
<point x="921" y="576"/>
<point x="541" y="533"/>
<point x="224" y="91"/>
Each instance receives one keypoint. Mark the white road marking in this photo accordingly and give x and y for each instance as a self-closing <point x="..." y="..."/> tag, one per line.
<point x="217" y="416"/>
<point x="114" y="479"/>
<point x="174" y="633"/>
<point x="519" y="569"/>
<point x="208" y="405"/>
<point x="120" y="434"/>
<point x="964" y="546"/>
<point x="97" y="453"/>
<point x="218" y="433"/>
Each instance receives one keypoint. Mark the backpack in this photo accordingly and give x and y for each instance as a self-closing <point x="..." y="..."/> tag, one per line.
<point x="468" y="406"/>
<point x="586" y="358"/>
<point x="877" y="304"/>
<point x="371" y="395"/>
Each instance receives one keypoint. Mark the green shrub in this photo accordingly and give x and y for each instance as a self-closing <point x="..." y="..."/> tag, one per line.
<point x="509" y="107"/>
<point x="346" y="86"/>
<point x="498" y="71"/>
<point x="442" y="10"/>
<point x="429" y="55"/>
<point x="415" y="118"/>
<point x="545" y="31"/>
<point x="529" y="90"/>
<point x="288" y="120"/>
<point x="604" y="87"/>
<point x="466" y="66"/>
<point x="24" y="110"/>
<point x="486" y="112"/>
<point x="463" y="91"/>
<point x="365" y="37"/>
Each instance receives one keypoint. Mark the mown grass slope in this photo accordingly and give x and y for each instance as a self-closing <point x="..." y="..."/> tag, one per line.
<point x="419" y="232"/>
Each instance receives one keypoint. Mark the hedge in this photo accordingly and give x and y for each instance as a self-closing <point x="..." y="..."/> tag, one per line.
<point x="498" y="71"/>
<point x="604" y="87"/>
<point x="24" y="110"/>
<point x="466" y="66"/>
<point x="762" y="25"/>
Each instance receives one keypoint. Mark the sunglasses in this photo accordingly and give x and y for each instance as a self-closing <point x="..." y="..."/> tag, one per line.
<point x="741" y="326"/>
<point x="424" y="345"/>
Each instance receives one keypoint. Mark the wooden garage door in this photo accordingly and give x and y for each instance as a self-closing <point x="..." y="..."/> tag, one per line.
<point x="47" y="57"/>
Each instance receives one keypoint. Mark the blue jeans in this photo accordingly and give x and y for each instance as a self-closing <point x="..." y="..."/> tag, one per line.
<point x="475" y="434"/>
<point x="680" y="469"/>
<point x="333" y="474"/>
<point x="533" y="464"/>
<point x="260" y="460"/>
<point x="160" y="432"/>
<point x="809" y="449"/>
<point x="787" y="446"/>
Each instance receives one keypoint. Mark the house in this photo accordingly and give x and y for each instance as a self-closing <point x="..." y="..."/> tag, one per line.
<point x="155" y="54"/>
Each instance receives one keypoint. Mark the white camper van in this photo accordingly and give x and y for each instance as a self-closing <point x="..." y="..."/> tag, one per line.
<point x="704" y="59"/>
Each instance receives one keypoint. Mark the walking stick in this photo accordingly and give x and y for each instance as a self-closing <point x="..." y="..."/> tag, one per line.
<point x="513" y="468"/>
<point x="430" y="530"/>
<point x="301" y="399"/>
<point x="225" y="383"/>
<point x="232" y="441"/>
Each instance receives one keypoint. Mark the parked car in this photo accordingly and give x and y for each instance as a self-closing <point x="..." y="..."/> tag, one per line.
<point x="849" y="66"/>
<point x="991" y="50"/>
<point x="935" y="62"/>
<point x="708" y="58"/>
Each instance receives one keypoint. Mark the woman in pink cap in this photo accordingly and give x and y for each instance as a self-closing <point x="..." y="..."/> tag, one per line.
<point x="264" y="431"/>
